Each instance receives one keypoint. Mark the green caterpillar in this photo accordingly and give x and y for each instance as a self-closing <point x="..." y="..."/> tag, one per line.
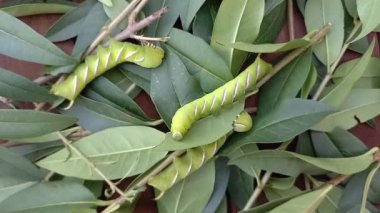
<point x="194" y="158"/>
<point x="147" y="56"/>
<point x="211" y="103"/>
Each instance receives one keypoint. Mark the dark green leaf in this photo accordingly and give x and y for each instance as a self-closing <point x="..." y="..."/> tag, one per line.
<point x="139" y="75"/>
<point x="20" y="88"/>
<point x="62" y="196"/>
<point x="319" y="13"/>
<point x="90" y="28"/>
<point x="22" y="42"/>
<point x="200" y="60"/>
<point x="240" y="186"/>
<point x="30" y="123"/>
<point x="292" y="164"/>
<point x="205" y="131"/>
<point x="304" y="145"/>
<point x="290" y="118"/>
<point x="180" y="198"/>
<point x="285" y="84"/>
<point x="35" y="152"/>
<point x="351" y="8"/>
<point x="204" y="20"/>
<point x="69" y="24"/>
<point x="310" y="82"/>
<point x="347" y="143"/>
<point x="117" y="152"/>
<point x="236" y="21"/>
<point x="163" y="25"/>
<point x="188" y="10"/>
<point x="323" y="146"/>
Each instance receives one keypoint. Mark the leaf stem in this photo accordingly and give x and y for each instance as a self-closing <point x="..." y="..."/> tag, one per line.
<point x="118" y="201"/>
<point x="291" y="20"/>
<point x="366" y="187"/>
<point x="260" y="187"/>
<point x="91" y="164"/>
<point x="331" y="69"/>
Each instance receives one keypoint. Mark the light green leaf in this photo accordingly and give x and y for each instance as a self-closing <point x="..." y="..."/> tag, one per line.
<point x="69" y="24"/>
<point x="36" y="8"/>
<point x="319" y="13"/>
<point x="271" y="48"/>
<point x="181" y="199"/>
<point x="30" y="123"/>
<point x="8" y="189"/>
<point x="361" y="104"/>
<point x="108" y="3"/>
<point x="275" y="194"/>
<point x="336" y="96"/>
<point x="47" y="197"/>
<point x="369" y="79"/>
<point x="285" y="84"/>
<point x="236" y="21"/>
<point x="205" y="131"/>
<point x="188" y="10"/>
<point x="18" y="87"/>
<point x="290" y="118"/>
<point x="117" y="152"/>
<point x="304" y="203"/>
<point x="200" y="60"/>
<point x="292" y="164"/>
<point x="22" y="42"/>
<point x="270" y="205"/>
<point x="368" y="11"/>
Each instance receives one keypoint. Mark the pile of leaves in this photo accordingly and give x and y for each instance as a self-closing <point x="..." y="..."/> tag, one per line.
<point x="298" y="156"/>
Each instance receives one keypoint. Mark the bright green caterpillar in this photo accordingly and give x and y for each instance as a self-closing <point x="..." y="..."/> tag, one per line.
<point x="225" y="95"/>
<point x="195" y="158"/>
<point x="147" y="56"/>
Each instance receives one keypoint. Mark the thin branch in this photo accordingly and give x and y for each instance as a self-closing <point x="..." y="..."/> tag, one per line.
<point x="132" y="29"/>
<point x="332" y="68"/>
<point x="108" y="29"/>
<point x="260" y="187"/>
<point x="291" y="20"/>
<point x="120" y="200"/>
<point x="91" y="164"/>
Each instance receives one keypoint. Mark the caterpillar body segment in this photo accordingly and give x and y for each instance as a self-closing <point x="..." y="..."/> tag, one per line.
<point x="213" y="102"/>
<point x="185" y="165"/>
<point x="147" y="56"/>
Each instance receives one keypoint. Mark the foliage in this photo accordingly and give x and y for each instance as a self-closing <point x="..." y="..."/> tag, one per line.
<point x="198" y="61"/>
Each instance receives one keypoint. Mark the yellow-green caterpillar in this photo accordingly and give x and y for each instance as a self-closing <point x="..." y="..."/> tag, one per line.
<point x="147" y="56"/>
<point x="195" y="158"/>
<point x="211" y="103"/>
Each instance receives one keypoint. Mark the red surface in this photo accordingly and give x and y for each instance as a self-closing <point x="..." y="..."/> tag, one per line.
<point x="146" y="204"/>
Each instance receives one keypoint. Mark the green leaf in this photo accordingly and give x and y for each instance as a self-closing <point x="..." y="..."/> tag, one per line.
<point x="290" y="118"/>
<point x="162" y="91"/>
<point x="60" y="196"/>
<point x="319" y="13"/>
<point x="36" y="8"/>
<point x="285" y="84"/>
<point x="351" y="8"/>
<point x="331" y="202"/>
<point x="337" y="95"/>
<point x="117" y="152"/>
<point x="241" y="186"/>
<point x="200" y="60"/>
<point x="271" y="48"/>
<point x="115" y="9"/>
<point x="95" y="116"/>
<point x="236" y="21"/>
<point x="369" y="16"/>
<point x="304" y="203"/>
<point x="69" y="24"/>
<point x="188" y="10"/>
<point x="205" y="131"/>
<point x="347" y="143"/>
<point x="30" y="123"/>
<point x="139" y="75"/>
<point x="360" y="106"/>
<point x="310" y="82"/>
<point x="108" y="3"/>
<point x="91" y="25"/>
<point x="204" y="20"/>
<point x="323" y="146"/>
<point x="185" y="85"/>
<point x="111" y="92"/>
<point x="292" y="164"/>
<point x="35" y="152"/>
<point x="369" y="79"/>
<point x="20" y="88"/>
<point x="181" y="197"/>
<point x="8" y="188"/>
<point x="275" y="194"/>
<point x="367" y="185"/>
<point x="273" y="21"/>
<point x="18" y="163"/>
<point x="270" y="205"/>
<point x="47" y="137"/>
<point x="163" y="25"/>
<point x="22" y="42"/>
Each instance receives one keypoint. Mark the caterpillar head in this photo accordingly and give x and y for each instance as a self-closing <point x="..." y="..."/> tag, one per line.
<point x="243" y="122"/>
<point x="153" y="56"/>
